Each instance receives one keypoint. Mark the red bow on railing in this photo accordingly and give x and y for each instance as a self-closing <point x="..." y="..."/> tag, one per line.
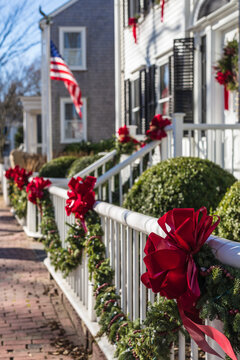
<point x="19" y="176"/>
<point x="124" y="137"/>
<point x="81" y="197"/>
<point x="133" y="22"/>
<point x="35" y="189"/>
<point x="157" y="125"/>
<point x="173" y="272"/>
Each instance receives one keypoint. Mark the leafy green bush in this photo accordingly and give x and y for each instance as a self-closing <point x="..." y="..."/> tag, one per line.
<point x="229" y="212"/>
<point x="57" y="168"/>
<point x="180" y="182"/>
<point x="88" y="147"/>
<point x="81" y="164"/>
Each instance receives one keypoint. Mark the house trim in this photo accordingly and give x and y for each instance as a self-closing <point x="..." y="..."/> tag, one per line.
<point x="63" y="101"/>
<point x="80" y="29"/>
<point x="60" y="9"/>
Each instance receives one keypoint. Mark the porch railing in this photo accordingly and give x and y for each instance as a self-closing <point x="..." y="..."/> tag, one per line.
<point x="125" y="234"/>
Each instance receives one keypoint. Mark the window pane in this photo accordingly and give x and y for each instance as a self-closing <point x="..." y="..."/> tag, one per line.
<point x="136" y="94"/>
<point x="72" y="40"/>
<point x="73" y="125"/>
<point x="164" y="81"/>
<point x="70" y="112"/>
<point x="73" y="57"/>
<point x="73" y="129"/>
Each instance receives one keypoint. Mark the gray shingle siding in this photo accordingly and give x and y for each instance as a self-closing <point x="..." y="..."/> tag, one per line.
<point x="97" y="82"/>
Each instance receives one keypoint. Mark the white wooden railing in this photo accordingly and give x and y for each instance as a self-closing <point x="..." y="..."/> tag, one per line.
<point x="125" y="234"/>
<point x="219" y="143"/>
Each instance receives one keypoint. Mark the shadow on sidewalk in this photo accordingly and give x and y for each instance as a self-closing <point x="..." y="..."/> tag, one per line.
<point x="22" y="254"/>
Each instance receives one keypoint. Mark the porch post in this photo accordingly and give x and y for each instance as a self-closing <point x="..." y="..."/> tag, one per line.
<point x="178" y="133"/>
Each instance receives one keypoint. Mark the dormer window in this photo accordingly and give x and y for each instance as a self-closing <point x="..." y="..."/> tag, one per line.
<point x="209" y="6"/>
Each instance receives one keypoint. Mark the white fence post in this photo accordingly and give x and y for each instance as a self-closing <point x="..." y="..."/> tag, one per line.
<point x="5" y="190"/>
<point x="31" y="217"/>
<point x="178" y="133"/>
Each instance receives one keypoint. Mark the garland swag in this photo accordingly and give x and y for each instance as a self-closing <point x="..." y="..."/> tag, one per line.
<point x="219" y="284"/>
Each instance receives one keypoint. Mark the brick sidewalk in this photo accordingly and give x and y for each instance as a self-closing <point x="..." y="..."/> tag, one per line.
<point x="33" y="322"/>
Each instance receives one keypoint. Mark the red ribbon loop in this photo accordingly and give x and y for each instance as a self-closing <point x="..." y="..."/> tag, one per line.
<point x="81" y="198"/>
<point x="173" y="272"/>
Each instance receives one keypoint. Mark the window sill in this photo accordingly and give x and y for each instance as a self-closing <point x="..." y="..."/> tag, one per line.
<point x="70" y="141"/>
<point x="77" y="68"/>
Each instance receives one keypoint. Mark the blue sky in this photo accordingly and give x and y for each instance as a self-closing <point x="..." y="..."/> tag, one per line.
<point x="31" y="17"/>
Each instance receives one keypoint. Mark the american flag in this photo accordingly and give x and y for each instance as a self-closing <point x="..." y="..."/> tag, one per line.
<point x="60" y="71"/>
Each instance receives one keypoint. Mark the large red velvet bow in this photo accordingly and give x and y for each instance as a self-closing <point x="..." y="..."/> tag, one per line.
<point x="19" y="175"/>
<point x="81" y="197"/>
<point x="35" y="189"/>
<point x="157" y="125"/>
<point x="173" y="273"/>
<point x="133" y="22"/>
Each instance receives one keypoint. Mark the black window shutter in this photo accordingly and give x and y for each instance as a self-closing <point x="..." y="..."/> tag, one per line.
<point x="127" y="101"/>
<point x="151" y="94"/>
<point x="183" y="52"/>
<point x="171" y="84"/>
<point x="143" y="101"/>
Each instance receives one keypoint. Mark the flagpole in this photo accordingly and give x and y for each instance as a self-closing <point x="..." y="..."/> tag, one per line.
<point x="49" y="99"/>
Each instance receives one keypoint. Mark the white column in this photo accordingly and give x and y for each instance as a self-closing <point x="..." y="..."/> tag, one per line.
<point x="117" y="35"/>
<point x="26" y="131"/>
<point x="46" y="93"/>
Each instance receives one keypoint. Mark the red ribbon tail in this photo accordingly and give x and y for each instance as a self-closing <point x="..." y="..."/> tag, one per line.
<point x="84" y="225"/>
<point x="135" y="32"/>
<point x="198" y="331"/>
<point x="226" y="98"/>
<point x="162" y="10"/>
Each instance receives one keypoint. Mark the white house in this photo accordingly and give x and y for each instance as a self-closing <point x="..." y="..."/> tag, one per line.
<point x="170" y="68"/>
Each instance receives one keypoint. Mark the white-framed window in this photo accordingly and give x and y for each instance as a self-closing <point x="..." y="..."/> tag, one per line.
<point x="164" y="89"/>
<point x="73" y="47"/>
<point x="73" y="129"/>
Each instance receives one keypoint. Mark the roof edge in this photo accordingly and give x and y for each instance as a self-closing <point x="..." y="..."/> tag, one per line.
<point x="60" y="9"/>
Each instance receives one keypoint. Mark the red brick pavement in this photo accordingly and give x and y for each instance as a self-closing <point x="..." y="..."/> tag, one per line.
<point x="28" y="314"/>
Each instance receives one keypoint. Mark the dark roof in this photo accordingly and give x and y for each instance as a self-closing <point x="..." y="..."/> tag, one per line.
<point x="209" y="6"/>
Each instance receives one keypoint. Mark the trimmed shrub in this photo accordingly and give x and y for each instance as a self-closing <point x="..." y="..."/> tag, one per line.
<point x="87" y="147"/>
<point x="229" y="212"/>
<point x="82" y="163"/>
<point x="57" y="168"/>
<point x="179" y="183"/>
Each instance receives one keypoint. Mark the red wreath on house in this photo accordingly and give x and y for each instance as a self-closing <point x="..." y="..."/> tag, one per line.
<point x="227" y="70"/>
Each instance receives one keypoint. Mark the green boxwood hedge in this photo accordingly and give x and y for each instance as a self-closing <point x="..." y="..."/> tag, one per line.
<point x="179" y="183"/>
<point x="81" y="164"/>
<point x="88" y="147"/>
<point x="229" y="212"/>
<point x="57" y="168"/>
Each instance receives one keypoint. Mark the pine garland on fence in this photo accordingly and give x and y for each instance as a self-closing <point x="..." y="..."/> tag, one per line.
<point x="220" y="286"/>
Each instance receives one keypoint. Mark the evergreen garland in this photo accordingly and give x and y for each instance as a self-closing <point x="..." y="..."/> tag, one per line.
<point x="18" y="199"/>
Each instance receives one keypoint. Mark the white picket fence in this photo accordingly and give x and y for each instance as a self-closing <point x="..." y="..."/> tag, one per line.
<point x="125" y="234"/>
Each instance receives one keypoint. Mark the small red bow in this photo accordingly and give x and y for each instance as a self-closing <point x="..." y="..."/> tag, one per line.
<point x="157" y="125"/>
<point x="124" y="136"/>
<point x="35" y="189"/>
<point x="81" y="197"/>
<point x="19" y="175"/>
<point x="133" y="22"/>
<point x="173" y="273"/>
